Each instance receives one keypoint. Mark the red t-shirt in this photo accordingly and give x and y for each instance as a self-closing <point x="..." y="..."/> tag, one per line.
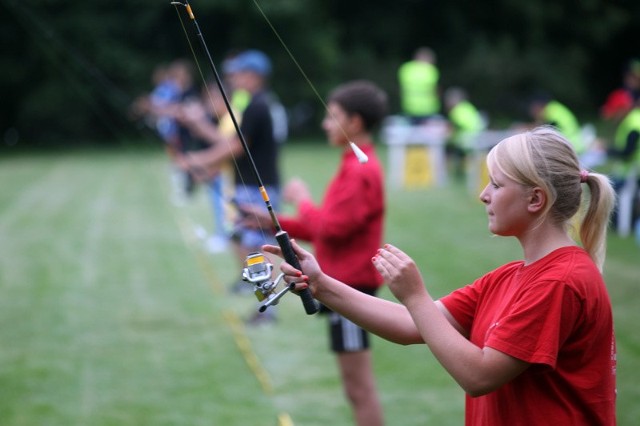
<point x="556" y="315"/>
<point x="346" y="229"/>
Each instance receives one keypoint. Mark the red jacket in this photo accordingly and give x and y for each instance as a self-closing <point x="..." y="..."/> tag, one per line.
<point x="346" y="229"/>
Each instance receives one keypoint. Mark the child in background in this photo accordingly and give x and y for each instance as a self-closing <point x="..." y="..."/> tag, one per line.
<point x="346" y="229"/>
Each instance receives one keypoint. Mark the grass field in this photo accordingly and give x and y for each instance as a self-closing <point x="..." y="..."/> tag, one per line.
<point x="112" y="313"/>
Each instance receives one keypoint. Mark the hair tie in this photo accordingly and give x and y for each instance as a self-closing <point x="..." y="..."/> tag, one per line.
<point x="584" y="174"/>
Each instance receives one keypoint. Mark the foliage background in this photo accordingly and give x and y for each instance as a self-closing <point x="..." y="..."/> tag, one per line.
<point x="71" y="67"/>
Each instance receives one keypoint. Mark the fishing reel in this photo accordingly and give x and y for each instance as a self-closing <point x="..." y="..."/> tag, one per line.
<point x="258" y="271"/>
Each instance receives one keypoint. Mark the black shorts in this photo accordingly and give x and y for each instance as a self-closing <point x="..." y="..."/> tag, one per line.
<point x="345" y="336"/>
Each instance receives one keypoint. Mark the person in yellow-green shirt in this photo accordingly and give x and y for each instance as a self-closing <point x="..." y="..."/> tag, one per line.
<point x="546" y="110"/>
<point x="465" y="122"/>
<point x="418" y="80"/>
<point x="626" y="144"/>
<point x="625" y="156"/>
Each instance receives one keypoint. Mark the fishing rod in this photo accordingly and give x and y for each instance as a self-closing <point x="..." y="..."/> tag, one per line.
<point x="282" y="237"/>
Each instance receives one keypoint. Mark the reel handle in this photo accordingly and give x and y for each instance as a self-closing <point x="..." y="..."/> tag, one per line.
<point x="309" y="303"/>
<point x="274" y="299"/>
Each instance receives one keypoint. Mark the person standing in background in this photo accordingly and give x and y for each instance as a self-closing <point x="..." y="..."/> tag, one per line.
<point x="345" y="230"/>
<point x="621" y="100"/>
<point x="248" y="71"/>
<point x="625" y="160"/>
<point x="218" y="177"/>
<point x="546" y="110"/>
<point x="465" y="122"/>
<point x="418" y="80"/>
<point x="173" y="88"/>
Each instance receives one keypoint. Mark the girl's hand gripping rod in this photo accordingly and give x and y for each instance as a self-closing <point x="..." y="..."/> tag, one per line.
<point x="310" y="305"/>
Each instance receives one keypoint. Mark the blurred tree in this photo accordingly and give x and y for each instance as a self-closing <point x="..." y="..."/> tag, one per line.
<point x="71" y="67"/>
<point x="76" y="67"/>
<point x="515" y="47"/>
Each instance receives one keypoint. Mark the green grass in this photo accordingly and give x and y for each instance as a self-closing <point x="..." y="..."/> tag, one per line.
<point x="113" y="314"/>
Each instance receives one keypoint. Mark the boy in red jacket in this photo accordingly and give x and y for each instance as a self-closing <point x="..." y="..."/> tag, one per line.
<point x="346" y="229"/>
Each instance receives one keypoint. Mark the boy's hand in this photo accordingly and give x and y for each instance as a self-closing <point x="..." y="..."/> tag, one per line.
<point x="296" y="191"/>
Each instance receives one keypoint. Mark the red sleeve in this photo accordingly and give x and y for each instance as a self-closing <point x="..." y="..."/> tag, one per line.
<point x="462" y="303"/>
<point x="349" y="203"/>
<point x="295" y="228"/>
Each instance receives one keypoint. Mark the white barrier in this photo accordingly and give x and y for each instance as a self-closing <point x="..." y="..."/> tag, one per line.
<point x="416" y="171"/>
<point x="477" y="173"/>
<point x="626" y="197"/>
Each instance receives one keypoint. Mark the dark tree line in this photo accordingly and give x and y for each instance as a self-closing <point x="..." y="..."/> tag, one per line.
<point x="70" y="68"/>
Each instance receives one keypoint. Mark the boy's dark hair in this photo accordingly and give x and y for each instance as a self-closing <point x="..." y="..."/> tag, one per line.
<point x="363" y="98"/>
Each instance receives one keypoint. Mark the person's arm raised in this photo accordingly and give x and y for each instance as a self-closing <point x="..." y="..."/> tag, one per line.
<point x="477" y="370"/>
<point x="387" y="319"/>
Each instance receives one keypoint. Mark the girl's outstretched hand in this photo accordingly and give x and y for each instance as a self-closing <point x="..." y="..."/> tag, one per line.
<point x="310" y="273"/>
<point x="400" y="273"/>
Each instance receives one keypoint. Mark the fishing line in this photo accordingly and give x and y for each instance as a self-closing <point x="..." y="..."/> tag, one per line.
<point x="281" y="236"/>
<point x="361" y="156"/>
<point x="213" y="107"/>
